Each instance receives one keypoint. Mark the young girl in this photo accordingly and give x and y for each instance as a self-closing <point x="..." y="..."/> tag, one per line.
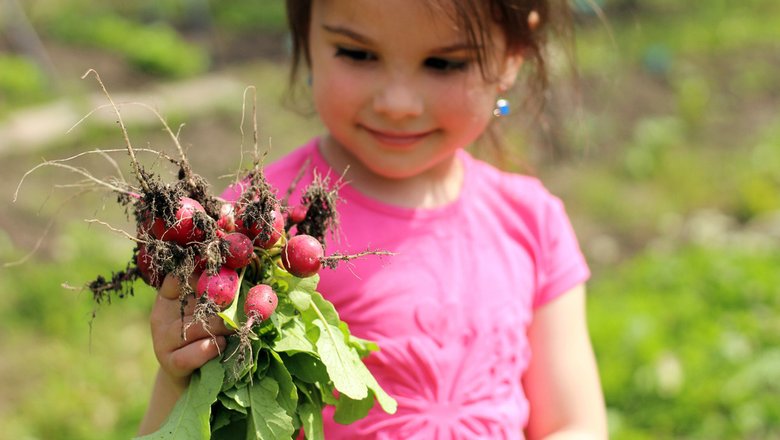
<point x="480" y="312"/>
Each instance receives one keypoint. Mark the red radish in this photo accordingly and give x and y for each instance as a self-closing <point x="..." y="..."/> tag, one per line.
<point x="200" y="264"/>
<point x="250" y="230"/>
<point x="183" y="230"/>
<point x="147" y="271"/>
<point x="297" y="214"/>
<point x="302" y="255"/>
<point x="261" y="301"/>
<point x="254" y="231"/>
<point x="144" y="223"/>
<point x="239" y="250"/>
<point x="227" y="217"/>
<point x="276" y="231"/>
<point x="220" y="288"/>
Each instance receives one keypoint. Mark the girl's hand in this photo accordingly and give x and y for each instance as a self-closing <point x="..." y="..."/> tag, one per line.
<point x="179" y="357"/>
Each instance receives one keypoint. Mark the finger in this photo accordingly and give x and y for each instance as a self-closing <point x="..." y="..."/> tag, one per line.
<point x="171" y="334"/>
<point x="171" y="287"/>
<point x="166" y="310"/>
<point x="214" y="327"/>
<point x="186" y="359"/>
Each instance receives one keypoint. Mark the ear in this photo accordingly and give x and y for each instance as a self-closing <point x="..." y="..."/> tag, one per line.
<point x="512" y="64"/>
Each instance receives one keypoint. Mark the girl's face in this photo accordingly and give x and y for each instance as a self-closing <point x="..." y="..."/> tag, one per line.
<point x="396" y="84"/>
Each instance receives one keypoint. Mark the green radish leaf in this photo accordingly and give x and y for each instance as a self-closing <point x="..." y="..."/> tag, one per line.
<point x="288" y="394"/>
<point x="234" y="369"/>
<point x="221" y="417"/>
<point x="262" y="361"/>
<point x="236" y="399"/>
<point x="336" y="354"/>
<point x="286" y="312"/>
<point x="325" y="310"/>
<point x="311" y="418"/>
<point x="340" y="361"/>
<point x="235" y="429"/>
<point x="301" y="290"/>
<point x="349" y="410"/>
<point x="310" y="410"/>
<point x="267" y="420"/>
<point x="307" y="368"/>
<point x="363" y="346"/>
<point x="189" y="419"/>
<point x="388" y="404"/>
<point x="293" y="339"/>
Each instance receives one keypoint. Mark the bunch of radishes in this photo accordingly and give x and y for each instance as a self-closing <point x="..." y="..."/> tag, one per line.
<point x="253" y="256"/>
<point x="243" y="232"/>
<point x="256" y="259"/>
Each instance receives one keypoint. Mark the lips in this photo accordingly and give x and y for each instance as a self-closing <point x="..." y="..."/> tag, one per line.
<point x="398" y="138"/>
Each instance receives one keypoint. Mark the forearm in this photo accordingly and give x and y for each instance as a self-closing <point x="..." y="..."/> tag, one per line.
<point x="562" y="382"/>
<point x="165" y="393"/>
<point x="574" y="434"/>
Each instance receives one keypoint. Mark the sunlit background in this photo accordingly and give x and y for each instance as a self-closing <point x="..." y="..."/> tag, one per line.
<point x="668" y="160"/>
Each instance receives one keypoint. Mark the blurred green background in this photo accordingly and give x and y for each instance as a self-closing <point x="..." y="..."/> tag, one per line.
<point x="668" y="159"/>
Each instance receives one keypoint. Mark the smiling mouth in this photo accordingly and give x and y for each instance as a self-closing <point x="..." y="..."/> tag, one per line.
<point x="398" y="139"/>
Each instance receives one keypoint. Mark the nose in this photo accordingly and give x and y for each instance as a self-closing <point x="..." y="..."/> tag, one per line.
<point x="398" y="99"/>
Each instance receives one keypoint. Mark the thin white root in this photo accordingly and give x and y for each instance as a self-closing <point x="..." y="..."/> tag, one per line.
<point x="121" y="122"/>
<point x="35" y="248"/>
<point x="83" y="172"/>
<point x="119" y="231"/>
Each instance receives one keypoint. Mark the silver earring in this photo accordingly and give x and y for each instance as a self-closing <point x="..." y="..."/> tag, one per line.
<point x="502" y="108"/>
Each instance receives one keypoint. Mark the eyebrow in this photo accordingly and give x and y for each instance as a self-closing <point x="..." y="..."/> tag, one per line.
<point x="360" y="38"/>
<point x="340" y="30"/>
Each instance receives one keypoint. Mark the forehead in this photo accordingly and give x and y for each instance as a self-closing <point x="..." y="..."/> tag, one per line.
<point x="414" y="18"/>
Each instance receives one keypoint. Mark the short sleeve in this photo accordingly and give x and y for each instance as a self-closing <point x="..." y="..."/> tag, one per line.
<point x="561" y="265"/>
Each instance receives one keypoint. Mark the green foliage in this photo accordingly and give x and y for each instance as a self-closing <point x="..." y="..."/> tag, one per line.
<point x="154" y="48"/>
<point x="759" y="183"/>
<point x="650" y="145"/>
<point x="74" y="376"/>
<point x="226" y="15"/>
<point x="190" y="417"/>
<point x="303" y="355"/>
<point x="243" y="16"/>
<point x="21" y="82"/>
<point x="688" y="342"/>
<point x="686" y="339"/>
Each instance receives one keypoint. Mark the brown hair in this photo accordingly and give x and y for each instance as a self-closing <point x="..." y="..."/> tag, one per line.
<point x="526" y="24"/>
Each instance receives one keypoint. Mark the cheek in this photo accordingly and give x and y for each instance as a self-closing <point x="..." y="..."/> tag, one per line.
<point x="469" y="93"/>
<point x="335" y="93"/>
<point x="470" y="105"/>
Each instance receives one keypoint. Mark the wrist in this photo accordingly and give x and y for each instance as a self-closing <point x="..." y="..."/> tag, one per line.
<point x="167" y="390"/>
<point x="172" y="382"/>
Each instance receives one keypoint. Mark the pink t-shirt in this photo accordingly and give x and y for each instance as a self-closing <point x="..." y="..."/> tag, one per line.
<point x="450" y="309"/>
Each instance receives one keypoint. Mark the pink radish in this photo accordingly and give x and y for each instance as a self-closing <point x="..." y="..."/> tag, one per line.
<point x="146" y="269"/>
<point x="183" y="229"/>
<point x="239" y="250"/>
<point x="261" y="301"/>
<point x="255" y="230"/>
<point x="297" y="214"/>
<point x="220" y="288"/>
<point x="227" y="217"/>
<point x="302" y="255"/>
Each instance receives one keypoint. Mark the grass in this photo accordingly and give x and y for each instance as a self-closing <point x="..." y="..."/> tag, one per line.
<point x="67" y="375"/>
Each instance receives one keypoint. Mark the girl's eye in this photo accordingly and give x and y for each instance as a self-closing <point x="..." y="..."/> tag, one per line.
<point x="444" y="65"/>
<point x="355" y="54"/>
